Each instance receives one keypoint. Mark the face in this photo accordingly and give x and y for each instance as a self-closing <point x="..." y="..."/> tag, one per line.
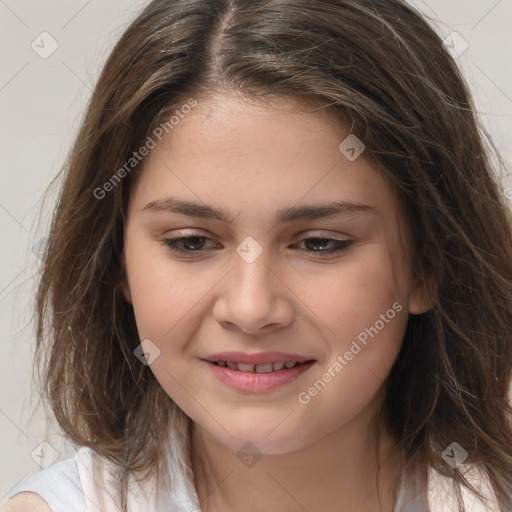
<point x="269" y="273"/>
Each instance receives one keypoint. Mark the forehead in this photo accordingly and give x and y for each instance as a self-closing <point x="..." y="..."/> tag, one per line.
<point x="243" y="156"/>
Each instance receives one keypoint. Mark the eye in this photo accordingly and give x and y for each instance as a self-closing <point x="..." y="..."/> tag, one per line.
<point x="321" y="243"/>
<point x="182" y="245"/>
<point x="194" y="244"/>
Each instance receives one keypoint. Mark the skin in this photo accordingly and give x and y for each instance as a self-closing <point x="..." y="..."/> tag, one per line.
<point x="26" y="502"/>
<point x="252" y="161"/>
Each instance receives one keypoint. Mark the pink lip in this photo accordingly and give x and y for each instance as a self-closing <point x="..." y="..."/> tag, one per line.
<point x="258" y="358"/>
<point x="248" y="382"/>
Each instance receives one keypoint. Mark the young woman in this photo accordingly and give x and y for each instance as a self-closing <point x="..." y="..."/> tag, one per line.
<point x="279" y="275"/>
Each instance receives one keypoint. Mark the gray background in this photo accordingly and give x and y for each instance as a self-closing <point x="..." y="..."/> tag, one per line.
<point x="42" y="100"/>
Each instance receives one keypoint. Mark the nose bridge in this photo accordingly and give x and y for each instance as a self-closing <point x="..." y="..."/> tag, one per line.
<point x="253" y="277"/>
<point x="252" y="297"/>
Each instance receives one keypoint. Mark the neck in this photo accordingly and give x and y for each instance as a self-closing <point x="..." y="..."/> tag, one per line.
<point x="351" y="469"/>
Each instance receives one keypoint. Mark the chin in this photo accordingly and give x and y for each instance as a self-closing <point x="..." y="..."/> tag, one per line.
<point x="259" y="437"/>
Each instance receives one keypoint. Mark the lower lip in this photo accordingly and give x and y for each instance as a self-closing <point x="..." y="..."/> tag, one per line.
<point x="257" y="382"/>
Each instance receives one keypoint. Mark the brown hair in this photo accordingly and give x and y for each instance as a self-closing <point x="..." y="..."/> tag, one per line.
<point x="380" y="69"/>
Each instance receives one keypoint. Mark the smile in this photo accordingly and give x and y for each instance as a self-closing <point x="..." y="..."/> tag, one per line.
<point x="258" y="378"/>
<point x="257" y="368"/>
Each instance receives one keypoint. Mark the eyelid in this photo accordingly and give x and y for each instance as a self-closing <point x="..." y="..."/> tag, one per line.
<point x="308" y="233"/>
<point x="318" y="233"/>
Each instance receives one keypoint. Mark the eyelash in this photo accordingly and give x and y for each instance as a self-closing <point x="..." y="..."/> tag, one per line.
<point x="341" y="245"/>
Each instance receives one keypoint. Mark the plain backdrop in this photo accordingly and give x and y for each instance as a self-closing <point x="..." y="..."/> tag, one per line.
<point x="42" y="98"/>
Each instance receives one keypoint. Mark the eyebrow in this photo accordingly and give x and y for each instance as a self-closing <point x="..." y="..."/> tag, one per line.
<point x="291" y="214"/>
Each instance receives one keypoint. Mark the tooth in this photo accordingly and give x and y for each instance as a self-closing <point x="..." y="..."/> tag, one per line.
<point x="221" y="363"/>
<point x="263" y="368"/>
<point x="278" y="366"/>
<point x="232" y="366"/>
<point x="246" y="367"/>
<point x="290" y="364"/>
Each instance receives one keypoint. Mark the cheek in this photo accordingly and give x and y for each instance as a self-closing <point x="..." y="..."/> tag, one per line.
<point x="351" y="297"/>
<point x="365" y="314"/>
<point x="163" y="293"/>
<point x="167" y="299"/>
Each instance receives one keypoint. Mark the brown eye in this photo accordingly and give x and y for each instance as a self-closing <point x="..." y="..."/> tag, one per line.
<point x="320" y="245"/>
<point x="190" y="245"/>
<point x="186" y="244"/>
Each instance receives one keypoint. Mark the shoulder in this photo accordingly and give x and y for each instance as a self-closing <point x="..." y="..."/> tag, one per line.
<point x="54" y="489"/>
<point x="26" y="502"/>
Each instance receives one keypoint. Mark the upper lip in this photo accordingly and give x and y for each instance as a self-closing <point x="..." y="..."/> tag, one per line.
<point x="258" y="358"/>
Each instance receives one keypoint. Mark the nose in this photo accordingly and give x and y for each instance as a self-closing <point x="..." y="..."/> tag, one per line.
<point x="254" y="298"/>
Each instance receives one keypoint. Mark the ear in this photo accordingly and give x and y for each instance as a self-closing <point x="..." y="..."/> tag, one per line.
<point x="125" y="288"/>
<point x="123" y="285"/>
<point x="423" y="296"/>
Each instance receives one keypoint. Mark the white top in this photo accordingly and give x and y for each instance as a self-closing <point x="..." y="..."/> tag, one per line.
<point x="86" y="483"/>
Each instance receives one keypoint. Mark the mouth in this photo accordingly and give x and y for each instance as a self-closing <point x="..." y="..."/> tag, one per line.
<point x="260" y="368"/>
<point x="258" y="373"/>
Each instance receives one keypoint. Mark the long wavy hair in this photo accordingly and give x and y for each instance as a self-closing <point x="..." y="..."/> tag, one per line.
<point x="379" y="67"/>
